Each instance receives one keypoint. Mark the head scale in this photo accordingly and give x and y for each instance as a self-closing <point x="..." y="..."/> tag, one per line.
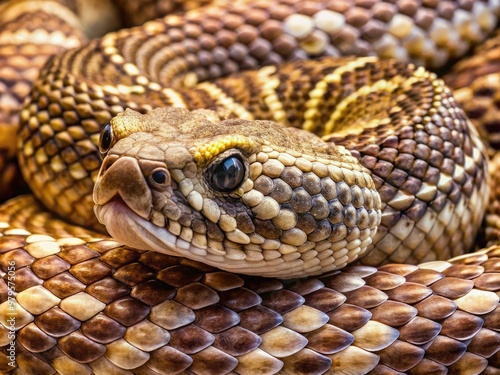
<point x="246" y="196"/>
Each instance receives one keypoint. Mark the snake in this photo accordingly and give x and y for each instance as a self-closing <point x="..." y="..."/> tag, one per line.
<point x="232" y="234"/>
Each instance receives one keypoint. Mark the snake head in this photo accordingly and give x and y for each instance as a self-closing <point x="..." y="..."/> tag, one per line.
<point x="247" y="196"/>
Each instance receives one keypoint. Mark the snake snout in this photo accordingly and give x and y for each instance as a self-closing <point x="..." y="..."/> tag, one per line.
<point x="122" y="178"/>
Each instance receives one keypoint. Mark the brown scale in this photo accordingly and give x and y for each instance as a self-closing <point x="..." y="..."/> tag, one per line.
<point x="137" y="12"/>
<point x="431" y="320"/>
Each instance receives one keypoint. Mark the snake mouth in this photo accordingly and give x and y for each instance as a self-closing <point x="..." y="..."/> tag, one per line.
<point x="128" y="227"/>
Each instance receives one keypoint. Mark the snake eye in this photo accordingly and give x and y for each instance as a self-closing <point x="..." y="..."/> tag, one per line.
<point x="160" y="177"/>
<point x="106" y="139"/>
<point x="228" y="174"/>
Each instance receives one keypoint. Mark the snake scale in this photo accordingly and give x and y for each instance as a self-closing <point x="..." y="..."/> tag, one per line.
<point x="399" y="173"/>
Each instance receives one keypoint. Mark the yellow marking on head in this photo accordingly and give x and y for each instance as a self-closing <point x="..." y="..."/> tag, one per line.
<point x="204" y="153"/>
<point x="123" y="126"/>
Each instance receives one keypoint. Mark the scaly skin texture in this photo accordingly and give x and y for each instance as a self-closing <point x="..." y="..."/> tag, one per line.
<point x="302" y="209"/>
<point x="24" y="49"/>
<point x="200" y="45"/>
<point x="405" y="148"/>
<point x="315" y="215"/>
<point x="30" y="32"/>
<point x="135" y="13"/>
<point x="150" y="313"/>
<point x="476" y="82"/>
<point x="375" y="334"/>
<point x="492" y="218"/>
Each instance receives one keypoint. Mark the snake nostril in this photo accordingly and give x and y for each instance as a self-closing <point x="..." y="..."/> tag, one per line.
<point x="107" y="162"/>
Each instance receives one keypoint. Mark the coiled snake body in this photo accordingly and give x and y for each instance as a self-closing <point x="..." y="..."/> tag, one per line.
<point x="230" y="188"/>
